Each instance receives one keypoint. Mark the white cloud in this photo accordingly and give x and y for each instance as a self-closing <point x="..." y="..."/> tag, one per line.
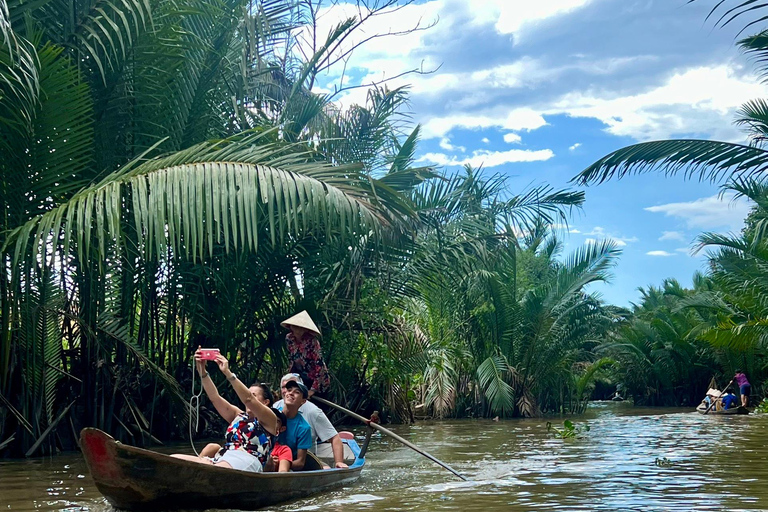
<point x="512" y="15"/>
<point x="574" y="147"/>
<point x="692" y="101"/>
<point x="697" y="100"/>
<point x="659" y="253"/>
<point x="445" y="143"/>
<point x="512" y="138"/>
<point x="485" y="140"/>
<point x="707" y="212"/>
<point x="559" y="225"/>
<point x="517" y="119"/>
<point x="672" y="235"/>
<point x="690" y="98"/>
<point x="491" y="158"/>
<point x="620" y="241"/>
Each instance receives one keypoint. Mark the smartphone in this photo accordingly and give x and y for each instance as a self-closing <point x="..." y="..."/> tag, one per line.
<point x="209" y="354"/>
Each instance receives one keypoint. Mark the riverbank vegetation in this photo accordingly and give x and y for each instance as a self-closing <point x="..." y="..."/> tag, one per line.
<point x="170" y="179"/>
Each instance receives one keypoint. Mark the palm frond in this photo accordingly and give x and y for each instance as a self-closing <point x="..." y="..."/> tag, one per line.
<point x="491" y="375"/>
<point x="730" y="10"/>
<point x="212" y="194"/>
<point x="756" y="47"/>
<point x="704" y="159"/>
<point x="754" y="116"/>
<point x="108" y="31"/>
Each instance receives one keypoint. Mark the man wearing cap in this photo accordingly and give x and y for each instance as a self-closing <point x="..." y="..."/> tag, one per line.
<point x="298" y="434"/>
<point x="304" y="353"/>
<point x="322" y="428"/>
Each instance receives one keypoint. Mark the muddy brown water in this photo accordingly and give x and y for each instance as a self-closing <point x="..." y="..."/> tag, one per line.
<point x="631" y="459"/>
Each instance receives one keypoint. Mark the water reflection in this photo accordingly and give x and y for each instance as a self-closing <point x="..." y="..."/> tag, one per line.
<point x="632" y="459"/>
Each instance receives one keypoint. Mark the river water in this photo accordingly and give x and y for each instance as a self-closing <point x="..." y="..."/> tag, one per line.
<point x="631" y="459"/>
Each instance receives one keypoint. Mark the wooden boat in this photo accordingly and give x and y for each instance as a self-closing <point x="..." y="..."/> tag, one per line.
<point x="136" y="479"/>
<point x="702" y="408"/>
<point x="715" y="394"/>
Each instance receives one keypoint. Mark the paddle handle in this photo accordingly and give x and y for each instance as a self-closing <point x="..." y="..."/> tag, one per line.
<point x="390" y="434"/>
<point x="719" y="397"/>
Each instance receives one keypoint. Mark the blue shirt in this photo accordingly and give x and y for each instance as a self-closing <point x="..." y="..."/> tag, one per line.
<point x="297" y="435"/>
<point x="728" y="401"/>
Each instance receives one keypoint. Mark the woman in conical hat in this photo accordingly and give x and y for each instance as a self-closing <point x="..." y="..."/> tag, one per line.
<point x="304" y="352"/>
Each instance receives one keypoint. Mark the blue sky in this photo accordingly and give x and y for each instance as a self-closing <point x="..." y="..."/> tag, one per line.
<point x="538" y="89"/>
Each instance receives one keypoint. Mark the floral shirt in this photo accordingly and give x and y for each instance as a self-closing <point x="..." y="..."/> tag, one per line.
<point x="245" y="433"/>
<point x="306" y="359"/>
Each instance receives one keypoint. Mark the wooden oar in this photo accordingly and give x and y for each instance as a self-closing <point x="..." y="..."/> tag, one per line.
<point x="719" y="397"/>
<point x="390" y="434"/>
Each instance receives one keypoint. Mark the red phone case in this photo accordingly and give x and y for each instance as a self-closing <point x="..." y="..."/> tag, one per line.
<point x="209" y="354"/>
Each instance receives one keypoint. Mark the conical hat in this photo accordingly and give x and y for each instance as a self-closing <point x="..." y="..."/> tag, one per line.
<point x="301" y="320"/>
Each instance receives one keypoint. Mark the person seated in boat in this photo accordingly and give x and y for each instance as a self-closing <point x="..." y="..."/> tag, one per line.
<point x="298" y="434"/>
<point x="280" y="458"/>
<point x="250" y="434"/>
<point x="744" y="387"/>
<point x="322" y="429"/>
<point x="729" y="400"/>
<point x="712" y="403"/>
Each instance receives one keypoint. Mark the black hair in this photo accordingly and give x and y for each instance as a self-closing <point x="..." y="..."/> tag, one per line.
<point x="266" y="391"/>
<point x="281" y="417"/>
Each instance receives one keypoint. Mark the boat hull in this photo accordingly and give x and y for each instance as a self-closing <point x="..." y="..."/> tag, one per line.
<point x="727" y="412"/>
<point x="136" y="479"/>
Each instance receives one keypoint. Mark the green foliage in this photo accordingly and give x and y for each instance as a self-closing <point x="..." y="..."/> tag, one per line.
<point x="503" y="344"/>
<point x="762" y="407"/>
<point x="168" y="179"/>
<point x="569" y="431"/>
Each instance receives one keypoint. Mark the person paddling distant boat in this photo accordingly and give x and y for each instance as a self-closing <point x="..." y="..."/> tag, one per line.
<point x="744" y="387"/>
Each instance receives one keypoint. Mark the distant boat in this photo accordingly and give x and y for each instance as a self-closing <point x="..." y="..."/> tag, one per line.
<point x="702" y="408"/>
<point x="714" y="395"/>
<point x="137" y="479"/>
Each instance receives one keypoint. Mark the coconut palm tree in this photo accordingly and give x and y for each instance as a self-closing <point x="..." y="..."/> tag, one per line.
<point x="661" y="358"/>
<point x="497" y="348"/>
<point x="163" y="169"/>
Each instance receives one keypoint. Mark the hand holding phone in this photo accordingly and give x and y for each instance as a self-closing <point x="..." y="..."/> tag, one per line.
<point x="208" y="354"/>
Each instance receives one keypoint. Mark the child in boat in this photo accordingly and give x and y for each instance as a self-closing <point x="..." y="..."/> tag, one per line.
<point x="281" y="457"/>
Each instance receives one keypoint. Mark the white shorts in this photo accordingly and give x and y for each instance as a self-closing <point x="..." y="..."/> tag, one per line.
<point x="240" y="459"/>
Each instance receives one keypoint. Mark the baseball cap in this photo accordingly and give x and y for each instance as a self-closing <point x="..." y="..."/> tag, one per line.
<point x="294" y="384"/>
<point x="280" y="416"/>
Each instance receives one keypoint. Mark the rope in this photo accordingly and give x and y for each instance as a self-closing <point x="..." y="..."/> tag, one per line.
<point x="194" y="408"/>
